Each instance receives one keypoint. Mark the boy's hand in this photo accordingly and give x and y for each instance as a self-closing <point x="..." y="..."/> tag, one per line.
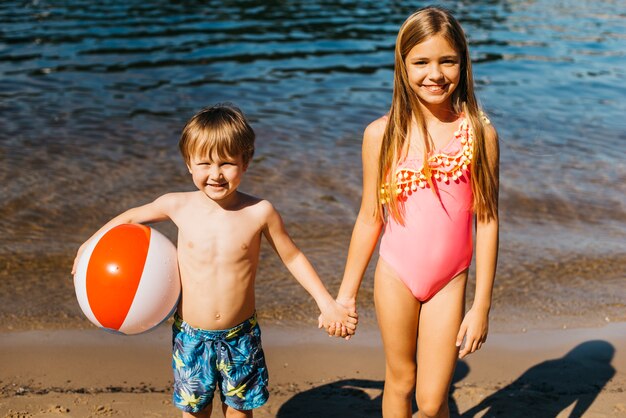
<point x="337" y="316"/>
<point x="78" y="254"/>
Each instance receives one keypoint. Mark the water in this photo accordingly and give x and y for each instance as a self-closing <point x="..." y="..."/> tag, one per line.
<point x="93" y="97"/>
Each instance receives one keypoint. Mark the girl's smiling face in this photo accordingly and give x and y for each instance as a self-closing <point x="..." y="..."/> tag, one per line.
<point x="434" y="71"/>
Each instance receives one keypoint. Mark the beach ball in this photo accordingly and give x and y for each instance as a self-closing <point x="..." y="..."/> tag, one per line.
<point x="127" y="279"/>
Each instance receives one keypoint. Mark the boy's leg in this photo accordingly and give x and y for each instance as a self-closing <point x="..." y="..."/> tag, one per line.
<point x="230" y="412"/>
<point x="398" y="313"/>
<point x="244" y="377"/>
<point x="194" y="377"/>
<point x="205" y="413"/>
<point x="437" y="354"/>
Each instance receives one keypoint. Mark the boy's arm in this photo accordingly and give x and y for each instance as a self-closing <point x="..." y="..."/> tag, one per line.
<point x="155" y="211"/>
<point x="300" y="267"/>
<point x="475" y="325"/>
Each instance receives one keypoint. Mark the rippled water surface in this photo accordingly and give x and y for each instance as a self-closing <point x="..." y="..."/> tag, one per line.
<point x="93" y="97"/>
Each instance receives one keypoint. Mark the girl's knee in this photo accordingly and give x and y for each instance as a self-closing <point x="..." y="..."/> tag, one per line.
<point x="404" y="372"/>
<point x="430" y="405"/>
<point x="400" y="382"/>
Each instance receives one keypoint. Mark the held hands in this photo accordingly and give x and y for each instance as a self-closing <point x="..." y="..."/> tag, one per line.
<point x="339" y="319"/>
<point x="474" y="329"/>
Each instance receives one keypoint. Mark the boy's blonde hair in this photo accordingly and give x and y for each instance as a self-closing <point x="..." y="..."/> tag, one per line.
<point x="220" y="130"/>
<point x="419" y="27"/>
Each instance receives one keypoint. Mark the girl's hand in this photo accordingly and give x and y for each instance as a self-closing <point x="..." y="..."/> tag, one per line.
<point x="474" y="330"/>
<point x="349" y="303"/>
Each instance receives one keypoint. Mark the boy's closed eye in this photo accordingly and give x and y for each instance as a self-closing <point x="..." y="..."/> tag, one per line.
<point x="220" y="163"/>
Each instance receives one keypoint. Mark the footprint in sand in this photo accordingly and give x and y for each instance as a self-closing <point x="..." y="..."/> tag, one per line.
<point x="18" y="414"/>
<point x="102" y="411"/>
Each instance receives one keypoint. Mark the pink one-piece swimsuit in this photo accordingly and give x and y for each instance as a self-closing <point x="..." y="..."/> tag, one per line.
<point x="435" y="243"/>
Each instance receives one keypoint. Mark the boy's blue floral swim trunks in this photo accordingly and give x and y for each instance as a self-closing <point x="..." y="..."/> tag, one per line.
<point x="232" y="359"/>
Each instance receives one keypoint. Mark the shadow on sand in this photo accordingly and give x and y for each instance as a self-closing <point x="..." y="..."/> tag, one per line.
<point x="543" y="391"/>
<point x="548" y="388"/>
<point x="350" y="398"/>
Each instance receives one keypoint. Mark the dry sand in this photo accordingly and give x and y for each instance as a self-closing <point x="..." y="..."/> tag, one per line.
<point x="89" y="373"/>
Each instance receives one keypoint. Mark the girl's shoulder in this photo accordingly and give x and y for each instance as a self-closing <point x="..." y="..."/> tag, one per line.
<point x="375" y="130"/>
<point x="490" y="131"/>
<point x="491" y="135"/>
<point x="379" y="124"/>
<point x="490" y="140"/>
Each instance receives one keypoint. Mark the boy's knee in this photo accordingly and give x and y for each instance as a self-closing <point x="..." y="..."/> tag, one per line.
<point x="230" y="412"/>
<point x="205" y="413"/>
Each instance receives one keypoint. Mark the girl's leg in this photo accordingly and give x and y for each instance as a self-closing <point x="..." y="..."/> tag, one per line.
<point x="398" y="313"/>
<point x="439" y="323"/>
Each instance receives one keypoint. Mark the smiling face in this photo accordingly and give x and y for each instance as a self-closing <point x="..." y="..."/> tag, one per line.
<point x="434" y="72"/>
<point x="217" y="177"/>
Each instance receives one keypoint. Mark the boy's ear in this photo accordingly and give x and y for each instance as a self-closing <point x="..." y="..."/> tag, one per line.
<point x="188" y="167"/>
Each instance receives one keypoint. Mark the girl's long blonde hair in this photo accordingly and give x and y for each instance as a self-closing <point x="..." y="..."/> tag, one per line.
<point x="420" y="26"/>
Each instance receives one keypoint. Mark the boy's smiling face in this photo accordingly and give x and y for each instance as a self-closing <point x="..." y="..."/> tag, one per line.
<point x="218" y="177"/>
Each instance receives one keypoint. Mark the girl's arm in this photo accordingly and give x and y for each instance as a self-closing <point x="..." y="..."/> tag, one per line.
<point x="152" y="212"/>
<point x="475" y="325"/>
<point x="368" y="225"/>
<point x="300" y="267"/>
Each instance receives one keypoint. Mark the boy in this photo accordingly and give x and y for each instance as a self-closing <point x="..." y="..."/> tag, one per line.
<point x="216" y="338"/>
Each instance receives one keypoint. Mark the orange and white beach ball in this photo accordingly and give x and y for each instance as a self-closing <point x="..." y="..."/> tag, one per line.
<point x="127" y="279"/>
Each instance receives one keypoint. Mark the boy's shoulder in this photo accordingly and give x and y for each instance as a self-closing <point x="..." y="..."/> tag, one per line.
<point x="256" y="204"/>
<point x="176" y="198"/>
<point x="246" y="204"/>
<point x="174" y="202"/>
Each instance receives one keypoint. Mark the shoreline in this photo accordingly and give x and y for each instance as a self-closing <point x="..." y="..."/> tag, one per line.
<point x="90" y="373"/>
<point x="367" y="318"/>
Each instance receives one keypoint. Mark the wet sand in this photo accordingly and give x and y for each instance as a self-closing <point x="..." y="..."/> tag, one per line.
<point x="89" y="373"/>
<point x="536" y="287"/>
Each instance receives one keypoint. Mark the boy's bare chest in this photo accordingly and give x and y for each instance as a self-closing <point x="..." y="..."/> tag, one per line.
<point x="224" y="237"/>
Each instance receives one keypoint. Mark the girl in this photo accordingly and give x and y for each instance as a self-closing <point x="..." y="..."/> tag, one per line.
<point x="429" y="166"/>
